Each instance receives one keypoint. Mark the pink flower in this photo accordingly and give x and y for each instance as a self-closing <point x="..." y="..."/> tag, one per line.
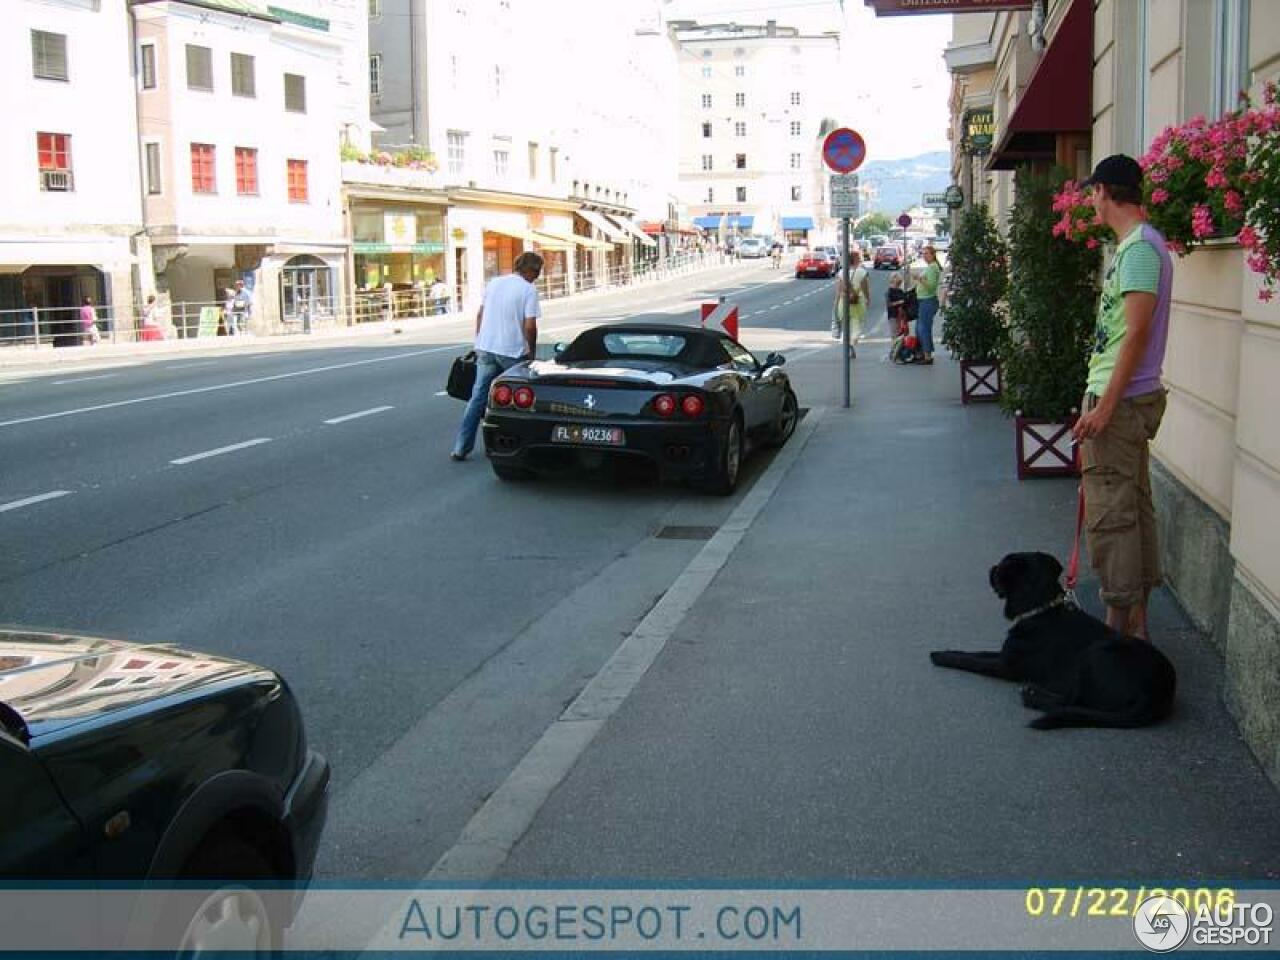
<point x="1216" y="179"/>
<point x="1176" y="247"/>
<point x="1233" y="202"/>
<point x="1091" y="243"/>
<point x="1247" y="237"/>
<point x="1265" y="294"/>
<point x="1159" y="196"/>
<point x="1202" y="222"/>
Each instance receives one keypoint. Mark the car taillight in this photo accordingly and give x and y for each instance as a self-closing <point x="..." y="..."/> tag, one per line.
<point x="664" y="404"/>
<point x="523" y="397"/>
<point x="692" y="406"/>
<point x="501" y="395"/>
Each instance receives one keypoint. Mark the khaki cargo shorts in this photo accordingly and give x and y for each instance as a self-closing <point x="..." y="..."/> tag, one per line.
<point x="1119" y="516"/>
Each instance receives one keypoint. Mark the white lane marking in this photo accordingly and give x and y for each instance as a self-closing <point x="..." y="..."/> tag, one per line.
<point x="183" y="461"/>
<point x="19" y="504"/>
<point x="356" y="416"/>
<point x="774" y="307"/>
<point x="442" y="393"/>
<point x="487" y="839"/>
<point x="226" y="386"/>
<point x="100" y="376"/>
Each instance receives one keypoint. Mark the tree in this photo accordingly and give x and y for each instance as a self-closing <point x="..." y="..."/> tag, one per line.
<point x="1053" y="300"/>
<point x="979" y="278"/>
<point x="873" y="224"/>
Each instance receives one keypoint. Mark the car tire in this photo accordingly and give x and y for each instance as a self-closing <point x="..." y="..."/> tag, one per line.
<point x="237" y="914"/>
<point x="788" y="417"/>
<point x="722" y="478"/>
<point x="510" y="473"/>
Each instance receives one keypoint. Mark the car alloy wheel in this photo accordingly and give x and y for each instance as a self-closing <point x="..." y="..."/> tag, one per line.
<point x="787" y="418"/>
<point x="230" y="919"/>
<point x="733" y="454"/>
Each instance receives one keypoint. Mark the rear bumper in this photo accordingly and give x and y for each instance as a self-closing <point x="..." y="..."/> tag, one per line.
<point x="306" y="806"/>
<point x="676" y="448"/>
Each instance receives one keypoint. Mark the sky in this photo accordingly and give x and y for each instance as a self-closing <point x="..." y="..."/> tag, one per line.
<point x="896" y="95"/>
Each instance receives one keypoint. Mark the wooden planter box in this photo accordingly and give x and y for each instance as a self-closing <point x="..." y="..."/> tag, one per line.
<point x="1044" y="447"/>
<point x="979" y="381"/>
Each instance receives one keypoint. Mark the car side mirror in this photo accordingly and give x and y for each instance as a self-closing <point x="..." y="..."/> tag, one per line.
<point x="774" y="360"/>
<point x="560" y="348"/>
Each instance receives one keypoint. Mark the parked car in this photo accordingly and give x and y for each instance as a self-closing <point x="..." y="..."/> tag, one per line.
<point x="753" y="248"/>
<point x="691" y="400"/>
<point x="139" y="762"/>
<point x="831" y="251"/>
<point x="815" y="263"/>
<point x="888" y="256"/>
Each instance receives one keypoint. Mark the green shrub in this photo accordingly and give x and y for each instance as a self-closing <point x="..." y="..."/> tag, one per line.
<point x="1053" y="302"/>
<point x="979" y="278"/>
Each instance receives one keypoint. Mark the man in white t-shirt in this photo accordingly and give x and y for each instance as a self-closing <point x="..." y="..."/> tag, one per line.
<point x="506" y="333"/>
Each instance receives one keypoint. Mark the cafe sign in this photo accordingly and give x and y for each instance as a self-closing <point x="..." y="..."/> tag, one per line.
<point x="979" y="130"/>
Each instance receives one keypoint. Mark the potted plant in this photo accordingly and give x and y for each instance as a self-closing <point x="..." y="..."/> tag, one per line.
<point x="979" y="278"/>
<point x="1044" y="352"/>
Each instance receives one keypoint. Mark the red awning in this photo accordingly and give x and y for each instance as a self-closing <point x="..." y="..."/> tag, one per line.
<point x="1058" y="98"/>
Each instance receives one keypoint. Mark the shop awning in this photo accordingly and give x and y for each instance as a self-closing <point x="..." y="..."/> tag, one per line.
<point x="1058" y="98"/>
<point x="632" y="228"/>
<point x="797" y="223"/>
<point x="597" y="220"/>
<point x="732" y="221"/>
<point x="515" y="233"/>
<point x="653" y="227"/>
<point x="571" y="238"/>
<point x="548" y="242"/>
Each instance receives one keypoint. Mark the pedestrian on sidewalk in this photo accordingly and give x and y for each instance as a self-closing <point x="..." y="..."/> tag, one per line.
<point x="854" y="309"/>
<point x="506" y="333"/>
<point x="239" y="307"/>
<point x="89" y="321"/>
<point x="927" y="299"/>
<point x="1125" y="399"/>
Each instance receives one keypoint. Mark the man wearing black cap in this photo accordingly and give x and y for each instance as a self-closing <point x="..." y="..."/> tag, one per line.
<point x="1125" y="399"/>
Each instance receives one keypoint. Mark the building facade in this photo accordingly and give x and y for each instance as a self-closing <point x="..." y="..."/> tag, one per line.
<point x="72" y="215"/>
<point x="1141" y="66"/>
<point x="752" y="101"/>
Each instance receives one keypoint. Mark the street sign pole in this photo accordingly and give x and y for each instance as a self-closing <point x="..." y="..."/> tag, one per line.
<point x="848" y="318"/>
<point x="843" y="150"/>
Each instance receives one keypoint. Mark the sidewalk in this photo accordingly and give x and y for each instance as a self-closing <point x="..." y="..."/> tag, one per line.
<point x="793" y="729"/>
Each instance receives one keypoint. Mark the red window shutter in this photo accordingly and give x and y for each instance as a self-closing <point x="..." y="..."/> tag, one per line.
<point x="297" y="181"/>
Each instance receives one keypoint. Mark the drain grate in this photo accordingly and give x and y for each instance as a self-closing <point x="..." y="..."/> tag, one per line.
<point x="686" y="533"/>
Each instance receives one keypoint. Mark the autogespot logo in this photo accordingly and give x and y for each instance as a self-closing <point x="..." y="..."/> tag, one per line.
<point x="1161" y="924"/>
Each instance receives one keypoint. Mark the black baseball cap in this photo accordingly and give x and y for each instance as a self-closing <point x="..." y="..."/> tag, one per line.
<point x="1117" y="170"/>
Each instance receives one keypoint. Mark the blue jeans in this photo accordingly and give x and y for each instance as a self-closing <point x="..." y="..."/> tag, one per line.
<point x="488" y="366"/>
<point x="924" y="323"/>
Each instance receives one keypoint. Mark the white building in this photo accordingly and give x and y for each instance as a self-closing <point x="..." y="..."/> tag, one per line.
<point x="69" y="165"/>
<point x="240" y="119"/>
<point x="752" y="102"/>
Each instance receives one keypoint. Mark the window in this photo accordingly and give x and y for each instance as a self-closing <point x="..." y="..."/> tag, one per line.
<point x="497" y="82"/>
<point x="740" y="161"/>
<point x="375" y="9"/>
<point x="706" y="73"/>
<point x="795" y="128"/>
<point x="500" y="161"/>
<point x="1230" y="53"/>
<point x="533" y="161"/>
<point x="297" y="181"/>
<point x="242" y="78"/>
<point x="795" y="98"/>
<point x="739" y="71"/>
<point x="295" y="93"/>
<point x="739" y="99"/>
<point x="742" y="194"/>
<point x="711" y="194"/>
<point x="246" y="171"/>
<point x="795" y="161"/>
<point x="706" y="130"/>
<point x="204" y="177"/>
<point x="706" y="101"/>
<point x="199" y="68"/>
<point x="375" y="74"/>
<point x="706" y="161"/>
<point x="147" y="65"/>
<point x="457" y="152"/>
<point x="795" y="193"/>
<point x="555" y="151"/>
<point x="49" y="55"/>
<point x="54" y="153"/>
<point x="739" y="129"/>
<point x="151" y="152"/>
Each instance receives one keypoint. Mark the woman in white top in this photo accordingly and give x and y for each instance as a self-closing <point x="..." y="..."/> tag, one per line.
<point x="860" y="294"/>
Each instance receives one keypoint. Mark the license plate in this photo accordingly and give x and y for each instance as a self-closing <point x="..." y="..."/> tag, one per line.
<point x="574" y="433"/>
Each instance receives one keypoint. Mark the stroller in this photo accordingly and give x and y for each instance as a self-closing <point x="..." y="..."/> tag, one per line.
<point x="906" y="346"/>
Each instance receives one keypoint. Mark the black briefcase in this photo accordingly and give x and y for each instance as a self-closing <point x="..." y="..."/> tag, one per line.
<point x="462" y="376"/>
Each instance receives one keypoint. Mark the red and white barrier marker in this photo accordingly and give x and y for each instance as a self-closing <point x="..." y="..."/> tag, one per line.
<point x="721" y="316"/>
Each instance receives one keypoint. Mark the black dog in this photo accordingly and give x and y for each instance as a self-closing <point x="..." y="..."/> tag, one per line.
<point x="1078" y="671"/>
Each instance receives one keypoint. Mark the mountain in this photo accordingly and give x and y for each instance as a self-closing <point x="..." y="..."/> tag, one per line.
<point x="900" y="183"/>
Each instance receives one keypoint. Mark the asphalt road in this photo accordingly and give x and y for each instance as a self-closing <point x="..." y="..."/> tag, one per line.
<point x="297" y="508"/>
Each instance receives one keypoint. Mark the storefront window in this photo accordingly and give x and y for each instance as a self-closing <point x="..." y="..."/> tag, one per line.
<point x="306" y="285"/>
<point x="366" y="224"/>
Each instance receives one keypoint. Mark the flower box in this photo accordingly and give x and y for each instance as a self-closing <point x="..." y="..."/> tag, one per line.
<point x="1045" y="447"/>
<point x="979" y="381"/>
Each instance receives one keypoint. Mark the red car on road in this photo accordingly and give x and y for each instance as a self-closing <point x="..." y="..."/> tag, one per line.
<point x="888" y="257"/>
<point x="814" y="263"/>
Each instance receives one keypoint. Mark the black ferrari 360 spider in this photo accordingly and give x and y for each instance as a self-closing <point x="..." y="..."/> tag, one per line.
<point x="691" y="400"/>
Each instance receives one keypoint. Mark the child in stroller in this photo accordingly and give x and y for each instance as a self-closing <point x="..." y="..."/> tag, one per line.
<point x="905" y="347"/>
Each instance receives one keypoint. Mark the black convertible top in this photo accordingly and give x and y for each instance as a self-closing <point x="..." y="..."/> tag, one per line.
<point x="702" y="347"/>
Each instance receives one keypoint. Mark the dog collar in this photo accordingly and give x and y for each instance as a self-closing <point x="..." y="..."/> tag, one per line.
<point x="1061" y="601"/>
